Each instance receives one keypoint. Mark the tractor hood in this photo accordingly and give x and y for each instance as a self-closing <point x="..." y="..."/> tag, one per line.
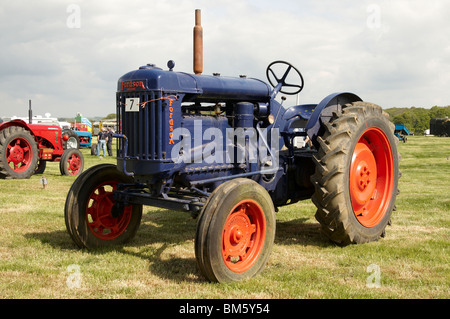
<point x="197" y="87"/>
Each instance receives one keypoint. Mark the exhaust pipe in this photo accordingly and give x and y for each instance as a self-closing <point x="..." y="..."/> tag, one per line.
<point x="198" y="43"/>
<point x="30" y="113"/>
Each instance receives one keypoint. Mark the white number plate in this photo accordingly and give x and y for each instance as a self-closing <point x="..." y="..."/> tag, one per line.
<point x="132" y="104"/>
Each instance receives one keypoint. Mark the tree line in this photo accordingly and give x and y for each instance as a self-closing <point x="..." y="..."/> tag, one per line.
<point x="417" y="119"/>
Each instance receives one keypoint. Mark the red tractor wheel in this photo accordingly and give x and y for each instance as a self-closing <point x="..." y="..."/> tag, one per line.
<point x="72" y="162"/>
<point x="235" y="231"/>
<point x="371" y="177"/>
<point x="92" y="217"/>
<point x="356" y="174"/>
<point x="18" y="153"/>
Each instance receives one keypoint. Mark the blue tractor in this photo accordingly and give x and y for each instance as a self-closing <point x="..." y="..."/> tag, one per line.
<point x="401" y="132"/>
<point x="226" y="151"/>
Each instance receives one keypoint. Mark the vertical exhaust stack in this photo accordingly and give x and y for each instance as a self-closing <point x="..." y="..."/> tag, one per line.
<point x="30" y="113"/>
<point x="198" y="43"/>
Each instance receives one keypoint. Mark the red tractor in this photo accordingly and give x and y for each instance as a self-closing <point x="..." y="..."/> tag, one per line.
<point x="26" y="148"/>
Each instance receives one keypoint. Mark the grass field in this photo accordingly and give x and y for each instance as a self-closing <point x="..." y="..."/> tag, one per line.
<point x="39" y="260"/>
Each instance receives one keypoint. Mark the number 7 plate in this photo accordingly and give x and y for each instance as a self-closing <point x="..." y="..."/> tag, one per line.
<point x="132" y="104"/>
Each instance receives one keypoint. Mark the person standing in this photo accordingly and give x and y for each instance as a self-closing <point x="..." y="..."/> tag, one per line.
<point x="101" y="142"/>
<point x="109" y="141"/>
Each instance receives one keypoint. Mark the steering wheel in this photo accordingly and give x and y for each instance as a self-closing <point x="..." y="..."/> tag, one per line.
<point x="280" y="82"/>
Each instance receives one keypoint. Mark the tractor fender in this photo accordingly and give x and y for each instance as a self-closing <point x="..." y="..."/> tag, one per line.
<point x="321" y="112"/>
<point x="20" y="123"/>
<point x="296" y="115"/>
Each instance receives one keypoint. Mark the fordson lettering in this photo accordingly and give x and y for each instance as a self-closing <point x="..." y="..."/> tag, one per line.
<point x="132" y="85"/>
<point x="171" y="122"/>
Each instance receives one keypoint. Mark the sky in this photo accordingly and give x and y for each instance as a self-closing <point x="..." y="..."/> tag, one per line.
<point x="67" y="55"/>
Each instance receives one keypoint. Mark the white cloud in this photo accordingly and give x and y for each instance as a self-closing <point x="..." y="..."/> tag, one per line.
<point x="393" y="53"/>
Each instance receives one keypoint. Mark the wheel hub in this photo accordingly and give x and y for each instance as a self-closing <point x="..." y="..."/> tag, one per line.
<point x="101" y="220"/>
<point x="240" y="231"/>
<point x="364" y="174"/>
<point x="371" y="176"/>
<point x="236" y="235"/>
<point x="243" y="236"/>
<point x="17" y="155"/>
<point x="74" y="164"/>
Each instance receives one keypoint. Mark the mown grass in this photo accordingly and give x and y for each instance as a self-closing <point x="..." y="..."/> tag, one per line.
<point x="36" y="252"/>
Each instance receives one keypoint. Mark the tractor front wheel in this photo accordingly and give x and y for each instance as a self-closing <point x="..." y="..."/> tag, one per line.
<point x="72" y="162"/>
<point x="93" y="218"/>
<point x="356" y="174"/>
<point x="235" y="231"/>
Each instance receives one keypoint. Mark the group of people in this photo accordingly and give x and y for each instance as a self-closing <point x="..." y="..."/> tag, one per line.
<point x="104" y="141"/>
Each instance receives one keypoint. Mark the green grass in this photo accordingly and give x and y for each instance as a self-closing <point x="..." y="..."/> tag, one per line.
<point x="413" y="258"/>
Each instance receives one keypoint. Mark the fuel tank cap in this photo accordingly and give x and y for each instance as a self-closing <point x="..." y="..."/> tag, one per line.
<point x="150" y="66"/>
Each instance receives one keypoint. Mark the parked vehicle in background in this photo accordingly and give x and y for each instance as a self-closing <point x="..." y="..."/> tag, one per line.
<point x="25" y="148"/>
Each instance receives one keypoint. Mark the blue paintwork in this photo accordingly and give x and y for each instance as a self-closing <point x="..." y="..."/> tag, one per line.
<point x="401" y="129"/>
<point x="200" y="88"/>
<point x="304" y="111"/>
<point x="85" y="134"/>
<point x="334" y="99"/>
<point x="146" y="139"/>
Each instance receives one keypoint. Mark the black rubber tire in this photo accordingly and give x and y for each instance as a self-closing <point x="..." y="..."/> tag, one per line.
<point x="71" y="197"/>
<point x="211" y="223"/>
<point x="333" y="160"/>
<point x="76" y="208"/>
<point x="94" y="149"/>
<point x="64" y="165"/>
<point x="8" y="135"/>
<point x="41" y="166"/>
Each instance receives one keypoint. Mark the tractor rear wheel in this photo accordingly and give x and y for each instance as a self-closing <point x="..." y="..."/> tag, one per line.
<point x="92" y="217"/>
<point x="235" y="231"/>
<point x="18" y="153"/>
<point x="73" y="140"/>
<point x="356" y="175"/>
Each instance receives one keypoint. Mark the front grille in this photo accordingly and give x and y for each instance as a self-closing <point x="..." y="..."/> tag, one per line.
<point x="143" y="128"/>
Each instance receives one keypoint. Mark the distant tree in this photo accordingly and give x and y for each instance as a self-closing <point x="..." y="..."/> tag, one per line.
<point x="110" y="116"/>
<point x="417" y="119"/>
<point x="439" y="112"/>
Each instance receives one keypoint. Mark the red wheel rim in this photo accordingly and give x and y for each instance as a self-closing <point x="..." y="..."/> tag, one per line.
<point x="100" y="220"/>
<point x="19" y="154"/>
<point x="73" y="164"/>
<point x="243" y="236"/>
<point x="371" y="177"/>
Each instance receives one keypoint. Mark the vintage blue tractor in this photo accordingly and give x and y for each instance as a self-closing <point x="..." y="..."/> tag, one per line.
<point x="223" y="149"/>
<point x="401" y="132"/>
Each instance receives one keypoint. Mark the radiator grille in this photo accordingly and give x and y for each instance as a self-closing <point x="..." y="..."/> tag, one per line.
<point x="143" y="128"/>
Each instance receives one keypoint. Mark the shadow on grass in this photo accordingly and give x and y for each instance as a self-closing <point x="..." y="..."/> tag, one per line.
<point x="169" y="229"/>
<point x="299" y="232"/>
